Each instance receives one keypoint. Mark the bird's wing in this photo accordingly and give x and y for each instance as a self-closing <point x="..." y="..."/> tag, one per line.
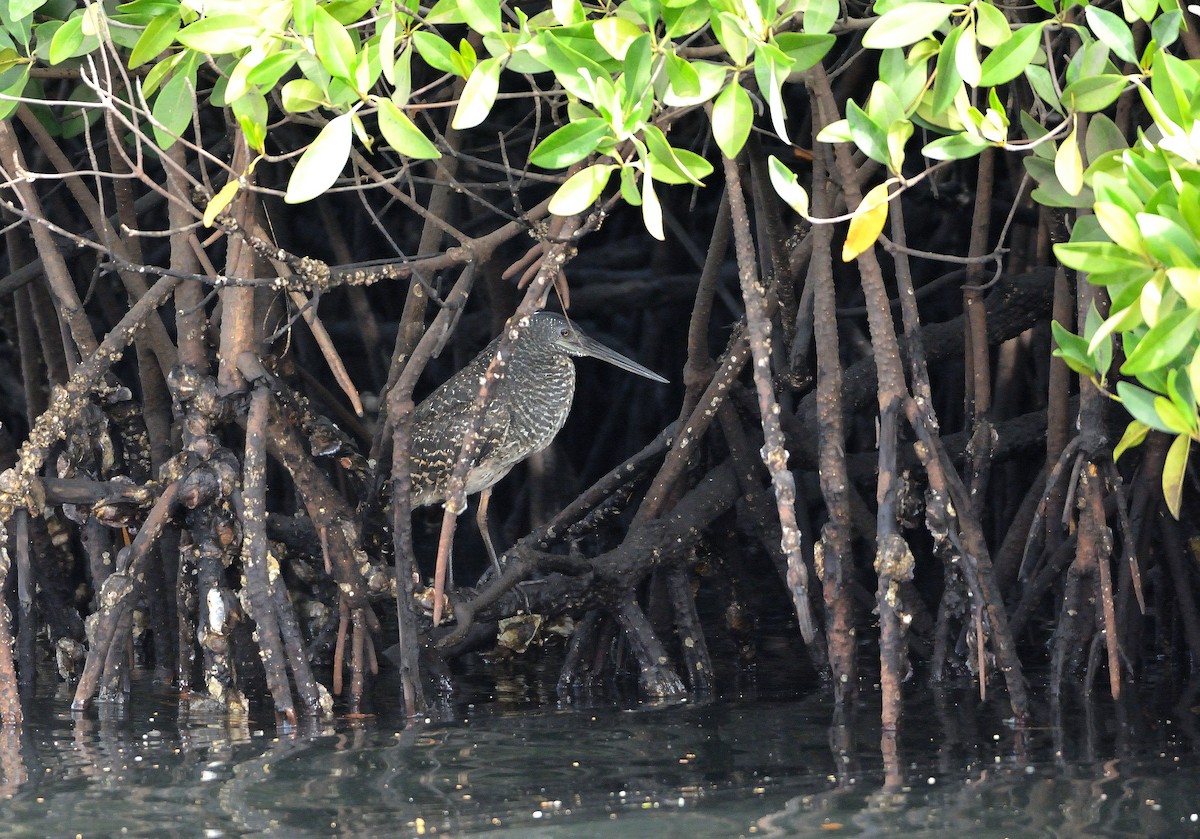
<point x="439" y="426"/>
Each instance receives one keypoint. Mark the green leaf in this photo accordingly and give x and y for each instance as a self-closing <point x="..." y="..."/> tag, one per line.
<point x="1097" y="257"/>
<point x="402" y="134"/>
<point x="174" y="106"/>
<point x="1139" y="402"/>
<point x="1093" y="93"/>
<point x="1049" y="191"/>
<point x="1091" y="59"/>
<point x="18" y="9"/>
<point x="615" y="34"/>
<point x="732" y="118"/>
<point x="302" y="15"/>
<point x="445" y="12"/>
<point x="567" y="64"/>
<point x="711" y="77"/>
<point x="906" y="25"/>
<point x="435" y="51"/>
<point x="322" y="162"/>
<point x="1009" y="59"/>
<point x="1120" y="225"/>
<point x="728" y="30"/>
<point x="785" y="183"/>
<point x="333" y="45"/>
<point x="898" y="135"/>
<point x="250" y="110"/>
<point x="1173" y="84"/>
<point x="570" y="144"/>
<point x="1163" y="343"/>
<point x="1099" y="350"/>
<point x="1189" y="206"/>
<point x="161" y="71"/>
<point x="1180" y="391"/>
<point x="820" y="15"/>
<point x="66" y="40"/>
<point x="668" y="159"/>
<point x="836" y="132"/>
<point x="481" y="15"/>
<point x="14" y="89"/>
<point x="402" y="77"/>
<point x="947" y="81"/>
<point x="804" y="50"/>
<point x="955" y="147"/>
<point x="637" y="77"/>
<point x="479" y="94"/>
<point x="1139" y="9"/>
<point x="1103" y="136"/>
<point x="387" y="49"/>
<point x="271" y="69"/>
<point x="221" y="34"/>
<point x="349" y="11"/>
<point x="157" y="36"/>
<point x="1193" y="372"/>
<point x="1168" y="242"/>
<point x="685" y="81"/>
<point x="1174" y="472"/>
<point x="10" y="58"/>
<point x="568" y="12"/>
<point x="629" y="190"/>
<point x="1165" y="28"/>
<point x="685" y="20"/>
<point x="1112" y="188"/>
<point x="883" y="105"/>
<point x="688" y="168"/>
<point x="868" y="136"/>
<point x="300" y="95"/>
<point x="1124" y="320"/>
<point x="1043" y="85"/>
<point x="1112" y="31"/>
<point x="1186" y="282"/>
<point x="582" y="189"/>
<point x="143" y="10"/>
<point x="1071" y="349"/>
<point x="991" y="26"/>
<point x="361" y="132"/>
<point x="464" y="58"/>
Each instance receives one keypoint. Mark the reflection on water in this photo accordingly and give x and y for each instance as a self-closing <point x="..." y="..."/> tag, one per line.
<point x="503" y="761"/>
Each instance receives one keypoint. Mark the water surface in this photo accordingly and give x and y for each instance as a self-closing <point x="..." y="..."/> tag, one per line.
<point x="501" y="759"/>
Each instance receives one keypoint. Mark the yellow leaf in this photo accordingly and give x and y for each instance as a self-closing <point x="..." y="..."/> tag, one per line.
<point x="867" y="223"/>
<point x="1068" y="164"/>
<point x="1174" y="470"/>
<point x="219" y="202"/>
<point x="1134" y="434"/>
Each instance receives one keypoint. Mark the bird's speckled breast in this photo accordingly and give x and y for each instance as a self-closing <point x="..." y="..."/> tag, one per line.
<point x="539" y="402"/>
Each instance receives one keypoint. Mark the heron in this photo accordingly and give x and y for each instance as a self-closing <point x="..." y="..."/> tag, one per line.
<point x="527" y="409"/>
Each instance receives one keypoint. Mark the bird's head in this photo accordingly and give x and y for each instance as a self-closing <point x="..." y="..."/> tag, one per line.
<point x="553" y="330"/>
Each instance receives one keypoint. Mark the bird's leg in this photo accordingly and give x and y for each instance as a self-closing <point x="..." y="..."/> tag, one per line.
<point x="445" y="547"/>
<point x="481" y="521"/>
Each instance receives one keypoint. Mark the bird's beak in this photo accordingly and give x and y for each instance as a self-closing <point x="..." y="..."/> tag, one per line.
<point x="593" y="348"/>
